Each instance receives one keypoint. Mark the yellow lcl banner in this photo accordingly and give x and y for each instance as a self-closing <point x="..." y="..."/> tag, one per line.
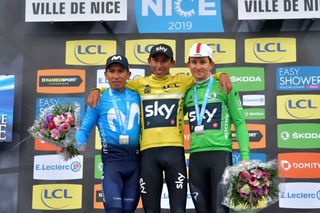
<point x="298" y="107"/>
<point x="270" y="50"/>
<point x="57" y="196"/>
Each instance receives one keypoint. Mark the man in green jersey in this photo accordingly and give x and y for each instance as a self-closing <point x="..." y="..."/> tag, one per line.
<point x="211" y="113"/>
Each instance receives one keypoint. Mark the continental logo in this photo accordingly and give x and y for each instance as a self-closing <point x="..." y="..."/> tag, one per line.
<point x="57" y="197"/>
<point x="297" y="107"/>
<point x="257" y="136"/>
<point x="299" y="136"/>
<point x="224" y="50"/>
<point x="299" y="165"/>
<point x="89" y="52"/>
<point x="246" y="78"/>
<point x="97" y="196"/>
<point x="270" y="50"/>
<point x="137" y="51"/>
<point x="98" y="167"/>
<point x="61" y="81"/>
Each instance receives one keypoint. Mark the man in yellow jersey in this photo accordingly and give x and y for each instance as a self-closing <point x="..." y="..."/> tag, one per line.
<point x="162" y="120"/>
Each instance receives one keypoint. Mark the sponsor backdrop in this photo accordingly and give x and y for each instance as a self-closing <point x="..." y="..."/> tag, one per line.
<point x="274" y="65"/>
<point x="280" y="97"/>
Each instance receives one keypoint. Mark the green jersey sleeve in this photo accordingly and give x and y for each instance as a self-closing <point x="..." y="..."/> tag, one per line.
<point x="238" y="119"/>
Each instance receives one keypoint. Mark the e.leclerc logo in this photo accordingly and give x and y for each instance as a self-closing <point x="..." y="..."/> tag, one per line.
<point x="299" y="195"/>
<point x="270" y="50"/>
<point x="51" y="167"/>
<point x="298" y="78"/>
<point x="299" y="136"/>
<point x="298" y="106"/>
<point x="174" y="16"/>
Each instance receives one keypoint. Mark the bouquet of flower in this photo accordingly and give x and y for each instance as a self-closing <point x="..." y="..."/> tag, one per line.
<point x="57" y="125"/>
<point x="251" y="186"/>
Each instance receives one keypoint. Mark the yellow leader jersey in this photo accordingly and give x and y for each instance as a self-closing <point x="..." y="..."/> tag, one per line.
<point x="161" y="109"/>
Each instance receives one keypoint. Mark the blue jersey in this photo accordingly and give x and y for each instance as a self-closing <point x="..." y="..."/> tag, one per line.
<point x="106" y="116"/>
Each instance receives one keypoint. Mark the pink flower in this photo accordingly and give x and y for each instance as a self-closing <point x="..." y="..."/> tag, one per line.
<point x="256" y="173"/>
<point x="65" y="127"/>
<point x="254" y="182"/>
<point x="55" y="133"/>
<point x="59" y="119"/>
<point x="244" y="175"/>
<point x="243" y="196"/>
<point x="70" y="118"/>
<point x="51" y="125"/>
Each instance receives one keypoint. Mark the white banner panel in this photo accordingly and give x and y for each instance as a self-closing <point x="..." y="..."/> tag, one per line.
<point x="102" y="82"/>
<point x="53" y="167"/>
<point x="75" y="10"/>
<point x="300" y="195"/>
<point x="278" y="9"/>
<point x="253" y="100"/>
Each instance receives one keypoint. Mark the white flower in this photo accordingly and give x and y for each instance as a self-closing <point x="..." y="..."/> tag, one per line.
<point x="245" y="189"/>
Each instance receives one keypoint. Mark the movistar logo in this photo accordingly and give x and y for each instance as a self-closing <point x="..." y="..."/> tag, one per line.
<point x="116" y="57"/>
<point x="112" y="116"/>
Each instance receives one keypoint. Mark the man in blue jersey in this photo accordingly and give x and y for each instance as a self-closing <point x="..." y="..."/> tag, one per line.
<point x="117" y="118"/>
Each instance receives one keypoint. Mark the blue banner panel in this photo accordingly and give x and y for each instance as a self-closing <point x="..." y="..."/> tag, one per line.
<point x="6" y="107"/>
<point x="298" y="78"/>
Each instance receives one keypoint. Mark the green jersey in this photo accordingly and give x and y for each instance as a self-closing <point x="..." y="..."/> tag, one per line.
<point x="221" y="110"/>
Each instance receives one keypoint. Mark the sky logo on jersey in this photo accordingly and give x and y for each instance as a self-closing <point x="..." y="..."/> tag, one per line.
<point x="102" y="81"/>
<point x="270" y="50"/>
<point x="137" y="51"/>
<point x="97" y="196"/>
<point x="297" y="107"/>
<point x="89" y="52"/>
<point x="299" y="165"/>
<point x="254" y="113"/>
<point x="245" y="78"/>
<point x="211" y="117"/>
<point x="177" y="16"/>
<point x="299" y="136"/>
<point x="160" y="113"/>
<point x="298" y="78"/>
<point x="224" y="50"/>
<point x="46" y="102"/>
<point x="61" y="81"/>
<point x="236" y="158"/>
<point x="257" y="136"/>
<point x="98" y="167"/>
<point x="57" y="197"/>
<point x="302" y="195"/>
<point x="51" y="167"/>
